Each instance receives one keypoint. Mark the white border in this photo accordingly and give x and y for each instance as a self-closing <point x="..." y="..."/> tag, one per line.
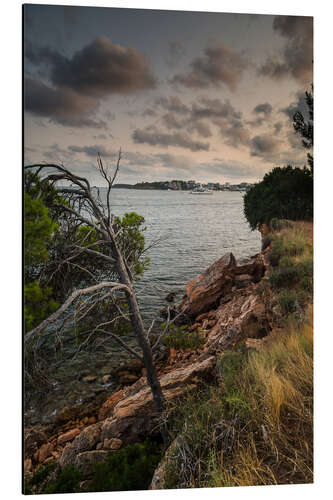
<point x="11" y="243"/>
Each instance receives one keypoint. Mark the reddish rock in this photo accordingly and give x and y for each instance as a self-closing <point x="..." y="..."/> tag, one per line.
<point x="43" y="453"/>
<point x="85" y="441"/>
<point x="204" y="291"/>
<point x="89" y="379"/>
<point x="68" y="436"/>
<point x="107" y="408"/>
<point x="27" y="465"/>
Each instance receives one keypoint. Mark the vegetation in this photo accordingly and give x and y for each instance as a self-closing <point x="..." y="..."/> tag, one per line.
<point x="284" y="193"/>
<point x="304" y="126"/>
<point x="130" y="468"/>
<point x="255" y="425"/>
<point x="182" y="338"/>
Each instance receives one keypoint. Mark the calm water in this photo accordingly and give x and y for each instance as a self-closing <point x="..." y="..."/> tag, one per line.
<point x="195" y="230"/>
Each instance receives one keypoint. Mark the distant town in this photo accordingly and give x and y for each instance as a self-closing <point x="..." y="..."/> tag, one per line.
<point x="180" y="185"/>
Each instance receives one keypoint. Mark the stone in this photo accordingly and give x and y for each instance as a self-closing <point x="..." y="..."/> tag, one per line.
<point x="43" y="453"/>
<point x="125" y="377"/>
<point x="204" y="291"/>
<point x="112" y="444"/>
<point x="107" y="407"/>
<point x="105" y="379"/>
<point x="242" y="280"/>
<point x="89" y="379"/>
<point x="33" y="438"/>
<point x="27" y="465"/>
<point x="170" y="297"/>
<point x="83" y="461"/>
<point x="85" y="441"/>
<point x="68" y="436"/>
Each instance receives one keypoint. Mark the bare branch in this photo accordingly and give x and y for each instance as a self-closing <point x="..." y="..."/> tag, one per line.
<point x="77" y="293"/>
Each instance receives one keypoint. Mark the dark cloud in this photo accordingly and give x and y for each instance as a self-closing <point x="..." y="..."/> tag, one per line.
<point x="235" y="134"/>
<point x="172" y="121"/>
<point x="296" y="59"/>
<point x="149" y="112"/>
<point x="262" y="145"/>
<point x="173" y="104"/>
<point x="214" y="108"/>
<point x="201" y="128"/>
<point x="154" y="137"/>
<point x="61" y="105"/>
<point x="298" y="105"/>
<point x="175" y="53"/>
<point x="265" y="109"/>
<point x="219" y="66"/>
<point x="98" y="69"/>
<point x="92" y="151"/>
<point x="278" y="127"/>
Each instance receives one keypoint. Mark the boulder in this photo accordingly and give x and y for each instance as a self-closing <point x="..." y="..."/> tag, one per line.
<point x="112" y="444"/>
<point x="68" y="436"/>
<point x="107" y="408"/>
<point x="83" y="461"/>
<point x="85" y="441"/>
<point x="204" y="291"/>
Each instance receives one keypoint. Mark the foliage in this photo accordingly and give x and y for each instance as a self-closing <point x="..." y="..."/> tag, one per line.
<point x="181" y="338"/>
<point x="130" y="468"/>
<point x="284" y="193"/>
<point x="132" y="241"/>
<point x="38" y="304"/>
<point x="67" y="481"/>
<point x="304" y="127"/>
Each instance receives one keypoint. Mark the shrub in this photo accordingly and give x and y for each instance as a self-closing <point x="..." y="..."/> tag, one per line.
<point x="67" y="481"/>
<point x="181" y="338"/>
<point x="284" y="193"/>
<point x="130" y="468"/>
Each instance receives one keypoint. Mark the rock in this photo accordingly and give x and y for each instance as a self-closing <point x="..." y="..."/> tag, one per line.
<point x="33" y="438"/>
<point x="133" y="416"/>
<point x="43" y="453"/>
<point x="27" y="465"/>
<point x="68" y="436"/>
<point x="85" y="441"/>
<point x="89" y="379"/>
<point x="170" y="297"/>
<point x="245" y="266"/>
<point x="204" y="291"/>
<point x="112" y="444"/>
<point x="259" y="268"/>
<point x="105" y="379"/>
<point x="242" y="280"/>
<point x="83" y="461"/>
<point x="125" y="377"/>
<point x="107" y="408"/>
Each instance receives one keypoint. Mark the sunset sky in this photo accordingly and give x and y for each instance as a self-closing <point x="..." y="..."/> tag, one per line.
<point x="185" y="95"/>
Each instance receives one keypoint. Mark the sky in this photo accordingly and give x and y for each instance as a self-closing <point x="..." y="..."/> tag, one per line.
<point x="184" y="95"/>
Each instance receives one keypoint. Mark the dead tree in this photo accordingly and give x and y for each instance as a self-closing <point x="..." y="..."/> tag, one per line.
<point x="85" y="207"/>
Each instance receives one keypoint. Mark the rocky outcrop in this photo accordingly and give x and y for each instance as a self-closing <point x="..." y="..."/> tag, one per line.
<point x="214" y="285"/>
<point x="132" y="414"/>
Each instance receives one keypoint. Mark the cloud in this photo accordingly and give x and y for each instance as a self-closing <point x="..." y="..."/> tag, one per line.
<point x="171" y="121"/>
<point x="235" y="134"/>
<point x="298" y="105"/>
<point x="278" y="127"/>
<point x="214" y="108"/>
<point x="156" y="138"/>
<point x="173" y="104"/>
<point x="264" y="109"/>
<point x="92" y="151"/>
<point x="99" y="69"/>
<point x="61" y="105"/>
<point x="219" y="66"/>
<point x="262" y="145"/>
<point x="201" y="128"/>
<point x="296" y="59"/>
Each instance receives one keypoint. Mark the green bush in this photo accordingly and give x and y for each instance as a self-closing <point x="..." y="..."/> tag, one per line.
<point x="130" y="468"/>
<point x="67" y="481"/>
<point x="291" y="301"/>
<point x="284" y="193"/>
<point x="181" y="338"/>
